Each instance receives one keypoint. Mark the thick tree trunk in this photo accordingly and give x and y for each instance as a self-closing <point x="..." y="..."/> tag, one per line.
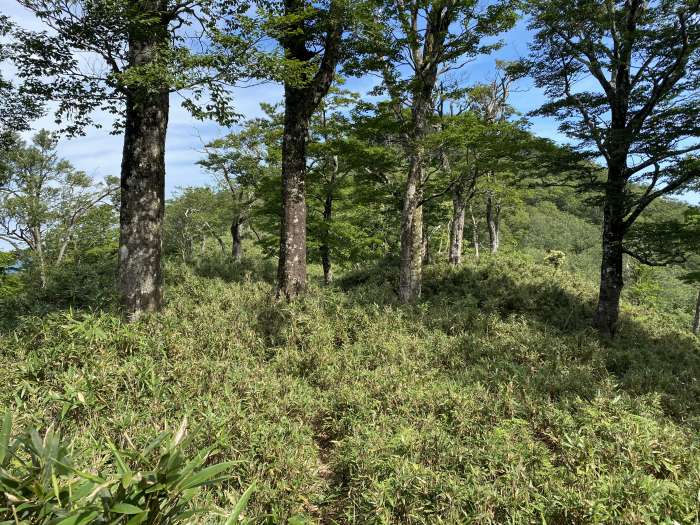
<point x="611" y="282"/>
<point x="291" y="272"/>
<point x="236" y="241"/>
<point x="475" y="232"/>
<point x="696" y="320"/>
<point x="411" y="234"/>
<point x="457" y="228"/>
<point x="142" y="185"/>
<point x="325" y="248"/>
<point x="493" y="218"/>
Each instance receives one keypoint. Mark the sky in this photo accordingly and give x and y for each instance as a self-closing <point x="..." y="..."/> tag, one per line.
<point x="99" y="153"/>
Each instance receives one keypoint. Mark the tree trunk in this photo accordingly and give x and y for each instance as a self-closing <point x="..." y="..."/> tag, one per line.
<point x="236" y="241"/>
<point x="411" y="234"/>
<point x="299" y="105"/>
<point x="325" y="248"/>
<point x="696" y="320"/>
<point x="143" y="181"/>
<point x="611" y="281"/>
<point x="39" y="243"/>
<point x="475" y="232"/>
<point x="291" y="272"/>
<point x="493" y="218"/>
<point x="457" y="228"/>
<point x="427" y="257"/>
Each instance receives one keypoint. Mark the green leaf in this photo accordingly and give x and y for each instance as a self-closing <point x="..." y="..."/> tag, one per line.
<point x="126" y="508"/>
<point x="122" y="467"/>
<point x="79" y="519"/>
<point x="240" y="505"/>
<point x="137" y="518"/>
<point x="5" y="436"/>
<point x="204" y="475"/>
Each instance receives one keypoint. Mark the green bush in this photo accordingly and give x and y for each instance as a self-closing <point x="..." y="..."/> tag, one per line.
<point x="41" y="485"/>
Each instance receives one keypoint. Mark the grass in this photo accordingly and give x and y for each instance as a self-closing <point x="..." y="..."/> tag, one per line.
<point x="490" y="401"/>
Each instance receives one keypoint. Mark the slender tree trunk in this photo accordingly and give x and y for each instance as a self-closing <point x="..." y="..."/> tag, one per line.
<point x="143" y="181"/>
<point x="222" y="245"/>
<point x="611" y="281"/>
<point x="291" y="272"/>
<point x="696" y="320"/>
<point x="236" y="241"/>
<point x="493" y="218"/>
<point x="475" y="232"/>
<point x="412" y="233"/>
<point x="39" y="243"/>
<point x="325" y="248"/>
<point x="427" y="256"/>
<point x="457" y="228"/>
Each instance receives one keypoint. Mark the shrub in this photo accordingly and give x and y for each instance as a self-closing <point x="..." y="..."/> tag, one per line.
<point x="42" y="486"/>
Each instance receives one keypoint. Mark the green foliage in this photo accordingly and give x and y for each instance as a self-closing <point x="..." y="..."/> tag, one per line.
<point x="490" y="401"/>
<point x="41" y="485"/>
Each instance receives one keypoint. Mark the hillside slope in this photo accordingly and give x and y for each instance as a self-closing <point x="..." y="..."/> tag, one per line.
<point x="491" y="401"/>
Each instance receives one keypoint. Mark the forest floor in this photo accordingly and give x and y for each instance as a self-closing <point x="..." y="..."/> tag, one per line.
<point x="489" y="401"/>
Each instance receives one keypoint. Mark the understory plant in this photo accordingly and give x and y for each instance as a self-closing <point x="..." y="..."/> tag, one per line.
<point x="40" y="484"/>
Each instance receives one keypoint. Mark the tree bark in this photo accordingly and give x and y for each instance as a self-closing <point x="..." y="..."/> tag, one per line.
<point x="457" y="228"/>
<point x="411" y="233"/>
<point x="427" y="256"/>
<point x="611" y="280"/>
<point x="300" y="102"/>
<point x="696" y="319"/>
<point x="493" y="218"/>
<point x="325" y="248"/>
<point x="143" y="180"/>
<point x="236" y="241"/>
<point x="475" y="232"/>
<point x="291" y="272"/>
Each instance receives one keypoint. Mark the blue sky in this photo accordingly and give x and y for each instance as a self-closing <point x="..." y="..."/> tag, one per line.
<point x="99" y="153"/>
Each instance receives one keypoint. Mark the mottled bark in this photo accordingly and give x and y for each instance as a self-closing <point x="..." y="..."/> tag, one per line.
<point x="457" y="228"/>
<point x="236" y="240"/>
<point x="493" y="219"/>
<point x="291" y="272"/>
<point x="611" y="280"/>
<point x="411" y="233"/>
<point x="143" y="180"/>
<point x="300" y="103"/>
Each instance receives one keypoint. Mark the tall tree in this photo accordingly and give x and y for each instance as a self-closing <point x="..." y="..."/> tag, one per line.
<point x="240" y="162"/>
<point x="44" y="197"/>
<point x="312" y="36"/>
<point x="425" y="39"/>
<point x="139" y="53"/>
<point x="623" y="77"/>
<point x="17" y="107"/>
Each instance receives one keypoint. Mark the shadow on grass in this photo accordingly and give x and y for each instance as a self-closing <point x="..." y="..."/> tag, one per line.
<point x="648" y="356"/>
<point x="228" y="270"/>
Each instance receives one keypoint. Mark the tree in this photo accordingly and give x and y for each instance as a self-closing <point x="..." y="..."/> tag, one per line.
<point x="240" y="162"/>
<point x="45" y="198"/>
<point x="17" y="107"/>
<point x="313" y="39"/>
<point x="193" y="216"/>
<point x="641" y="117"/>
<point x="140" y="53"/>
<point x="425" y="39"/>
